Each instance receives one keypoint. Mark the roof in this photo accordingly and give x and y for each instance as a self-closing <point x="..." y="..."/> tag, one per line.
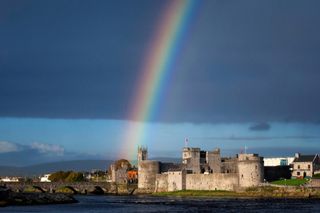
<point x="305" y="158"/>
<point x="165" y="167"/>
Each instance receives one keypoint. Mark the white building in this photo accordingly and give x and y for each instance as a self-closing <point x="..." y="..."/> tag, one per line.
<point x="279" y="161"/>
<point x="9" y="179"/>
<point x="45" y="178"/>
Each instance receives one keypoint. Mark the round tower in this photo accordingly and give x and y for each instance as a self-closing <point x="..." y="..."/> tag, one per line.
<point x="147" y="172"/>
<point x="250" y="168"/>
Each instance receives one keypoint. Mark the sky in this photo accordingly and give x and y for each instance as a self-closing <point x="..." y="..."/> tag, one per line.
<point x="247" y="75"/>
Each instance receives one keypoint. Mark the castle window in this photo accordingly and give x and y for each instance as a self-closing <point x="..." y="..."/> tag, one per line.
<point x="256" y="167"/>
<point x="298" y="166"/>
<point x="298" y="173"/>
<point x="309" y="166"/>
<point x="242" y="176"/>
<point x="283" y="162"/>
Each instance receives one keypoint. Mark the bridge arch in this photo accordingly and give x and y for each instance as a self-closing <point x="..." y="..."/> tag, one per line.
<point x="67" y="189"/>
<point x="39" y="188"/>
<point x="98" y="190"/>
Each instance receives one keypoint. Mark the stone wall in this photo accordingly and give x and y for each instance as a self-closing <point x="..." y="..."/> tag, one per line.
<point x="214" y="181"/>
<point x="79" y="187"/>
<point x="229" y="165"/>
<point x="147" y="172"/>
<point x="161" y="182"/>
<point x="176" y="181"/>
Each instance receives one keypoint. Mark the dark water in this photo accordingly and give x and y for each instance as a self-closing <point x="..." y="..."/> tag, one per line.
<point x="97" y="204"/>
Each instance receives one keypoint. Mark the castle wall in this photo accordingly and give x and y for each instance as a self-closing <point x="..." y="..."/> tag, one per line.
<point x="214" y="181"/>
<point x="229" y="165"/>
<point x="147" y="172"/>
<point x="161" y="182"/>
<point x="176" y="181"/>
<point x="245" y="170"/>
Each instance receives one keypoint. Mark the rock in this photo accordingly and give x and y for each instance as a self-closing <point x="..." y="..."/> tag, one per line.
<point x="14" y="198"/>
<point x="4" y="193"/>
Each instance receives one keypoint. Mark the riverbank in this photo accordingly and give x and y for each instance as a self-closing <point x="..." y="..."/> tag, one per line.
<point x="21" y="198"/>
<point x="254" y="192"/>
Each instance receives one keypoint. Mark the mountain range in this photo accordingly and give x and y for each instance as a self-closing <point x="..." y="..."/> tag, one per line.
<point x="74" y="165"/>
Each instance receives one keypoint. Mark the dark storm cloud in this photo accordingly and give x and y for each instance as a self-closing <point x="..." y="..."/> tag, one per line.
<point x="243" y="60"/>
<point x="260" y="127"/>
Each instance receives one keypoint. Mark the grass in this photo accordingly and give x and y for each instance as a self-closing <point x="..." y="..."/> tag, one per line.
<point x="252" y="192"/>
<point x="291" y="182"/>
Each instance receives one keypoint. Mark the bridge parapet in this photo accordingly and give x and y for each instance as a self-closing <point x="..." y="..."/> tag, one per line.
<point x="76" y="187"/>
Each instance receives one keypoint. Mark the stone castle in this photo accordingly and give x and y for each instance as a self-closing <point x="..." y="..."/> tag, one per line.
<point x="199" y="170"/>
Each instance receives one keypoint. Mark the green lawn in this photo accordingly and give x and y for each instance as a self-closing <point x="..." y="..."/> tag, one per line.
<point x="291" y="182"/>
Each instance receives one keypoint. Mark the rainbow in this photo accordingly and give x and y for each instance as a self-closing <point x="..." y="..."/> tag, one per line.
<point x="158" y="66"/>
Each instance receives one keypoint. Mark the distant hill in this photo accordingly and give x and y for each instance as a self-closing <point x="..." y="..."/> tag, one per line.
<point x="38" y="169"/>
<point x="75" y="165"/>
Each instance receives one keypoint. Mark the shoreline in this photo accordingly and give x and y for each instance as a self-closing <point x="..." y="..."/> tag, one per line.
<point x="26" y="199"/>
<point x="250" y="193"/>
<point x="255" y="193"/>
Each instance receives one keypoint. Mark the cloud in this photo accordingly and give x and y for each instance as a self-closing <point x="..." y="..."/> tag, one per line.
<point x="15" y="154"/>
<point x="6" y="146"/>
<point x="48" y="148"/>
<point x="260" y="127"/>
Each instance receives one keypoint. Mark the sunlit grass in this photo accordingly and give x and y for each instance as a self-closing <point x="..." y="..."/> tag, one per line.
<point x="291" y="182"/>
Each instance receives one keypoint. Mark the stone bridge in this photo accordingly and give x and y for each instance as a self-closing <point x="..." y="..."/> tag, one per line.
<point x="75" y="188"/>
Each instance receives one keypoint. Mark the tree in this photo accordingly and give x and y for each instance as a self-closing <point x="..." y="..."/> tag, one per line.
<point x="75" y="177"/>
<point x="59" y="176"/>
<point x="68" y="176"/>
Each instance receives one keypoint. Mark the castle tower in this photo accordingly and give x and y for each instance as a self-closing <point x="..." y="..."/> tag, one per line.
<point x="142" y="154"/>
<point x="214" y="160"/>
<point x="191" y="159"/>
<point x="147" y="171"/>
<point x="147" y="174"/>
<point x="250" y="168"/>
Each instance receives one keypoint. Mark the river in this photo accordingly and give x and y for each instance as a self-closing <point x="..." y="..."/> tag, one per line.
<point x="99" y="204"/>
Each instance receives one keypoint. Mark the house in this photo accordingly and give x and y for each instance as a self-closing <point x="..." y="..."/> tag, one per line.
<point x="278" y="161"/>
<point x="305" y="165"/>
<point x="10" y="179"/>
<point x="132" y="176"/>
<point x="45" y="178"/>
